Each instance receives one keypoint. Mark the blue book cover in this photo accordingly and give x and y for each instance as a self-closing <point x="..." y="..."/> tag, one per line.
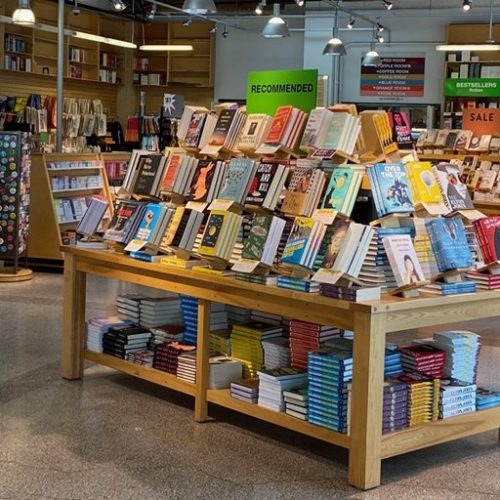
<point x="449" y="243"/>
<point x="149" y="220"/>
<point x="295" y="249"/>
<point x="393" y="188"/>
<point x="237" y="179"/>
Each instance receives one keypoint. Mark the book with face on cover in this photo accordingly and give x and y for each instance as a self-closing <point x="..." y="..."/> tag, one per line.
<point x="455" y="194"/>
<point x="403" y="259"/>
<point x="254" y="131"/>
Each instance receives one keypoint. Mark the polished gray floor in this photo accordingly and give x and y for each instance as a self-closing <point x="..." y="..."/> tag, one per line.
<point x="113" y="437"/>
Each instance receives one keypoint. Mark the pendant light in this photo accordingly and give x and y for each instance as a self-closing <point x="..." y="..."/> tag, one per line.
<point x="335" y="46"/>
<point x="199" y="7"/>
<point x="23" y="15"/>
<point x="276" y="27"/>
<point x="488" y="46"/>
<point x="372" y="57"/>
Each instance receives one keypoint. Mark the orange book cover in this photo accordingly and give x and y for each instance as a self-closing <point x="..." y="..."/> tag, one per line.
<point x="173" y="165"/>
<point x="278" y="125"/>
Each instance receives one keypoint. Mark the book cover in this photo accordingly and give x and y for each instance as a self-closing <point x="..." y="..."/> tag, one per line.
<point x="253" y="131"/>
<point x="222" y="127"/>
<point x="335" y="130"/>
<point x="489" y="241"/>
<point x="122" y="219"/>
<point x="393" y="188"/>
<point x="338" y="188"/>
<point x="340" y="228"/>
<point x="237" y="178"/>
<point x="202" y="180"/>
<point x="149" y="220"/>
<point x="195" y="129"/>
<point x="303" y="178"/>
<point x="403" y="259"/>
<point x="149" y="168"/>
<point x="261" y="182"/>
<point x="425" y="187"/>
<point x="295" y="248"/>
<point x="254" y="245"/>
<point x="449" y="243"/>
<point x="279" y="124"/>
<point x="454" y="191"/>
<point x="173" y="164"/>
<point x="213" y="230"/>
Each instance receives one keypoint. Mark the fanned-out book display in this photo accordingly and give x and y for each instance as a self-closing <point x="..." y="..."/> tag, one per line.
<point x="272" y="215"/>
<point x="15" y="165"/>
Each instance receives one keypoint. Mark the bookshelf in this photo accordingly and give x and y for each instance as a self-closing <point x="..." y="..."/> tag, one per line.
<point x="371" y="322"/>
<point x="466" y="67"/>
<point x="58" y="201"/>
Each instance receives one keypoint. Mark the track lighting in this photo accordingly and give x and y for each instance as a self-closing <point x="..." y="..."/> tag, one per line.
<point x="187" y="22"/>
<point x="380" y="39"/>
<point x="467" y="5"/>
<point x="380" y="28"/>
<point x="276" y="27"/>
<point x="300" y="3"/>
<point x="350" y="24"/>
<point x="225" y="33"/>
<point x="259" y="9"/>
<point x="388" y="4"/>
<point x="213" y="29"/>
<point x="23" y="15"/>
<point x="119" y="5"/>
<point x="152" y="13"/>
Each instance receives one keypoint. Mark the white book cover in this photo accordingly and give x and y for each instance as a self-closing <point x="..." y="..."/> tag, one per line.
<point x="403" y="259"/>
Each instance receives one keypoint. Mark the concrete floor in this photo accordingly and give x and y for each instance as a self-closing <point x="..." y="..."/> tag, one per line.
<point x="114" y="437"/>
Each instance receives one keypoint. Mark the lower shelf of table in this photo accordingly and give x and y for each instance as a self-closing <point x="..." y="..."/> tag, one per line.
<point x="143" y="372"/>
<point x="223" y="398"/>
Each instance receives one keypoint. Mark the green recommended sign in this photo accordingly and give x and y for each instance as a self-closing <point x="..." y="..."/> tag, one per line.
<point x="267" y="90"/>
<point x="472" y="87"/>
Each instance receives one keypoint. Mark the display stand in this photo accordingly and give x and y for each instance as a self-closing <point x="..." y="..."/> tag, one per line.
<point x="371" y="322"/>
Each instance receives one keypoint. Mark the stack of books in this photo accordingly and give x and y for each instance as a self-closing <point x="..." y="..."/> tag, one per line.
<point x="220" y="342"/>
<point x="423" y="248"/>
<point x="166" y="357"/>
<point x="462" y="353"/>
<point x="238" y="314"/>
<point x="123" y="340"/>
<point x="270" y="280"/>
<point x="272" y="319"/>
<point x="159" y="311"/>
<point x="484" y="281"/>
<point x="272" y="383"/>
<point x="442" y="288"/>
<point x="329" y="372"/>
<point x="254" y="131"/>
<point x="306" y="337"/>
<point x="343" y="132"/>
<point x="424" y="359"/>
<point x="179" y="174"/>
<point x="222" y="370"/>
<point x="207" y="181"/>
<point x="220" y="234"/>
<point x="299" y="284"/>
<point x="245" y="389"/>
<point x="342" y="190"/>
<point x="164" y="334"/>
<point x="487" y="399"/>
<point x="456" y="397"/>
<point x="125" y="221"/>
<point x="421" y="398"/>
<point x="98" y="327"/>
<point x="316" y="129"/>
<point x="239" y="176"/>
<point x="353" y="293"/>
<point x="142" y="358"/>
<point x="276" y="352"/>
<point x="392" y="363"/>
<point x="395" y="405"/>
<point x="296" y="403"/>
<point x="129" y="306"/>
<point x="487" y="230"/>
<point x="186" y="367"/>
<point x="226" y="132"/>
<point x="246" y="344"/>
<point x="183" y="231"/>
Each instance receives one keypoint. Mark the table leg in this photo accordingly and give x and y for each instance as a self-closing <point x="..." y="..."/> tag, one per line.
<point x="367" y="401"/>
<point x="202" y="361"/>
<point x="73" y="338"/>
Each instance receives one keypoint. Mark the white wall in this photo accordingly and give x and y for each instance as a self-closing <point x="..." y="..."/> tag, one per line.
<point x="244" y="51"/>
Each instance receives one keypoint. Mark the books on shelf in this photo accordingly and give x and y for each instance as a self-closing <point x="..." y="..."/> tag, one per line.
<point x="254" y="132"/>
<point x="226" y="132"/>
<point x="239" y="176"/>
<point x="296" y="402"/>
<point x="221" y="232"/>
<point x="276" y="352"/>
<point x="343" y="133"/>
<point x="273" y="382"/>
<point x="222" y="371"/>
<point x="93" y="216"/>
<point x="390" y="188"/>
<point x="98" y="327"/>
<point x="207" y="180"/>
<point x="125" y="220"/>
<point x="486" y="398"/>
<point x="149" y="176"/>
<point x="316" y="129"/>
<point x="352" y="293"/>
<point x="245" y="389"/>
<point x="488" y="236"/>
<point x="454" y="191"/>
<point x="342" y="190"/>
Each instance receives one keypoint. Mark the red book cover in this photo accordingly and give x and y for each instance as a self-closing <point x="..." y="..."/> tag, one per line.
<point x="173" y="165"/>
<point x="278" y="125"/>
<point x="490" y="241"/>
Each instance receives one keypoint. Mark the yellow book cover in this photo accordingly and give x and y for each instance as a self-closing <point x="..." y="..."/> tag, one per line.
<point x="214" y="232"/>
<point x="172" y="227"/>
<point x="424" y="185"/>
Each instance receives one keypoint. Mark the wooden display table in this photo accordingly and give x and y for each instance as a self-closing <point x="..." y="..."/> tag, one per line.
<point x="370" y="321"/>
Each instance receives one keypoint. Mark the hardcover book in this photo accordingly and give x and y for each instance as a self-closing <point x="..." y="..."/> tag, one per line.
<point x="296" y="246"/>
<point x="195" y="129"/>
<point x="239" y="172"/>
<point x="279" y="124"/>
<point x="259" y="187"/>
<point x="254" y="246"/>
<point x="203" y="177"/>
<point x="151" y="167"/>
<point x="488" y="232"/>
<point x="124" y="217"/>
<point x="403" y="259"/>
<point x="454" y="191"/>
<point x="222" y="127"/>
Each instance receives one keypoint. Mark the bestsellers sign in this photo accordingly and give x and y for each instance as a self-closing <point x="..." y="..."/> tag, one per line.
<point x="266" y="90"/>
<point x="472" y="87"/>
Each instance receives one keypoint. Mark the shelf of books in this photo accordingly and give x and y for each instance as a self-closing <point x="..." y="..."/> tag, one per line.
<point x="281" y="283"/>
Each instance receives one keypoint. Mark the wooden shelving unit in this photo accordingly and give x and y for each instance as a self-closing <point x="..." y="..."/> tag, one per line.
<point x="45" y="228"/>
<point x="371" y="322"/>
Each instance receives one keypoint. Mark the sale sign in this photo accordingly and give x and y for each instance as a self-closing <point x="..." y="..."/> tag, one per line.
<point x="482" y="121"/>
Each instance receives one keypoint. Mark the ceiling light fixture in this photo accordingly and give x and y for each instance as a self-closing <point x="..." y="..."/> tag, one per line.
<point x="380" y="28"/>
<point x="467" y="5"/>
<point x="199" y="7"/>
<point x="23" y="15"/>
<point x="300" y="3"/>
<point x="388" y="4"/>
<point x="335" y="46"/>
<point x="488" y="46"/>
<point x="350" y="24"/>
<point x="372" y="57"/>
<point x="187" y="22"/>
<point x="276" y="27"/>
<point x="380" y="39"/>
<point x="259" y="9"/>
<point x="213" y="29"/>
<point x="152" y="13"/>
<point x="225" y="33"/>
<point x="166" y="48"/>
<point x="103" y="39"/>
<point x="119" y="5"/>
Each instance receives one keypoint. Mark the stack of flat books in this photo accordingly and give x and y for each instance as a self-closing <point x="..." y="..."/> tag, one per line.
<point x="166" y="357"/>
<point x="353" y="293"/>
<point x="272" y="383"/>
<point x="186" y="367"/>
<point x="392" y="363"/>
<point x="420" y="398"/>
<point x="424" y="359"/>
<point x="306" y="337"/>
<point x="164" y="334"/>
<point x="245" y="389"/>
<point x="238" y="314"/>
<point x="442" y="288"/>
<point x="271" y="280"/>
<point x="222" y="370"/>
<point x="456" y="397"/>
<point x="484" y="281"/>
<point x="276" y="352"/>
<point x="296" y="403"/>
<point x="129" y="306"/>
<point x="462" y="353"/>
<point x="123" y="340"/>
<point x="142" y="358"/>
<point x="299" y="284"/>
<point x="271" y="319"/>
<point x="329" y="372"/>
<point x="487" y="399"/>
<point x="246" y="344"/>
<point x="98" y="327"/>
<point x="220" y="342"/>
<point x="159" y="311"/>
<point x="395" y="405"/>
